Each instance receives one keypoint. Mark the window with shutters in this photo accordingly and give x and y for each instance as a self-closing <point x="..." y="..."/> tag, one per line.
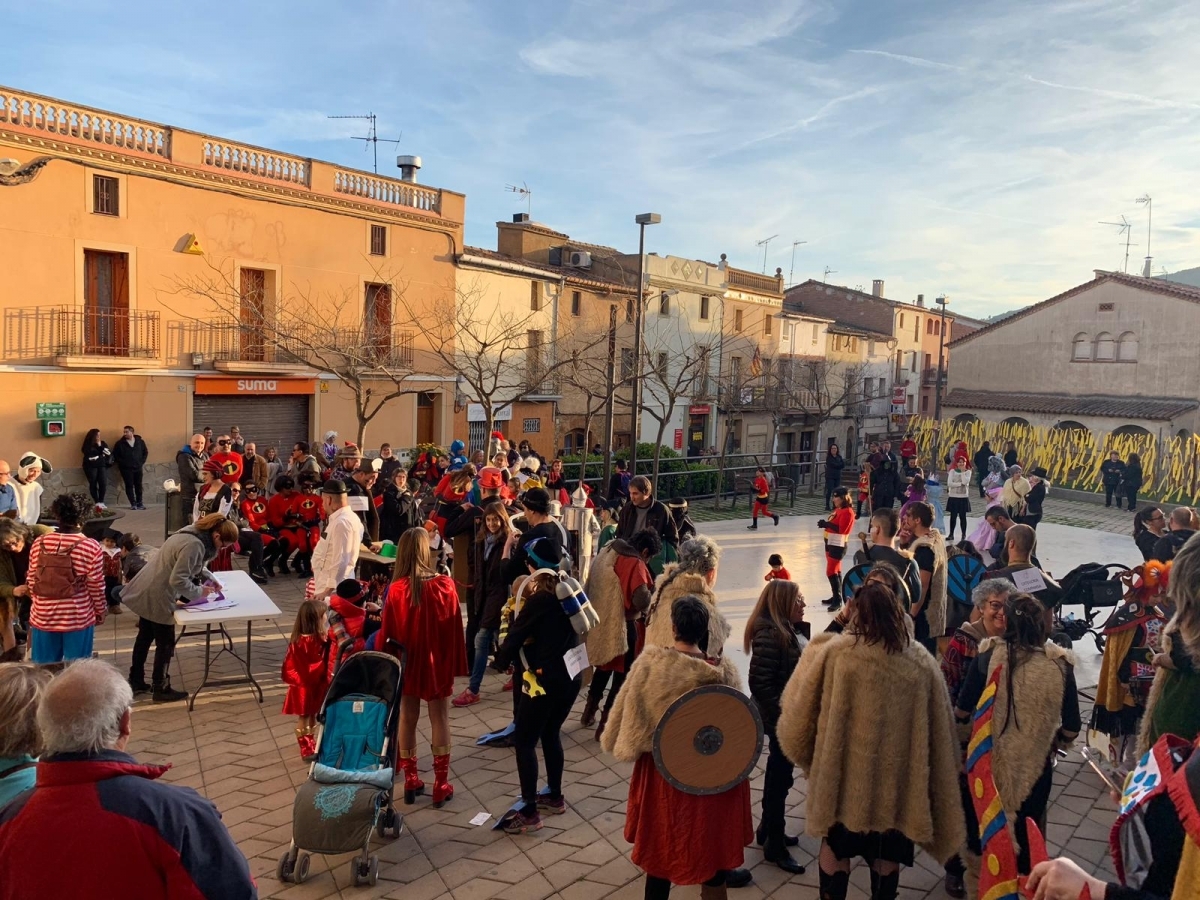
<point x="379" y="240"/>
<point x="576" y="303"/>
<point x="377" y="318"/>
<point x="814" y="332"/>
<point x="664" y="304"/>
<point x="535" y="295"/>
<point x="767" y="324"/>
<point x="105" y="195"/>
<point x="626" y="363"/>
<point x="253" y="315"/>
<point x="1106" y="347"/>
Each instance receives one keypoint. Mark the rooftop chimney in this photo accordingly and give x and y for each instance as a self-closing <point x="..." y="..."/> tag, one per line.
<point x="520" y="218"/>
<point x="408" y="166"/>
<point x="920" y="299"/>
<point x="877" y="287"/>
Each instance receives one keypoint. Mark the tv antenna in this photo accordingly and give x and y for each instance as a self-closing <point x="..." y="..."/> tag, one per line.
<point x="1145" y="198"/>
<point x="792" y="270"/>
<point x="372" y="137"/>
<point x="1124" y="228"/>
<point x="763" y="243"/>
<point x="525" y="193"/>
<point x="828" y="272"/>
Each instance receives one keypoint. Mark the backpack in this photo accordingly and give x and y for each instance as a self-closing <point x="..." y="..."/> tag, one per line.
<point x="55" y="577"/>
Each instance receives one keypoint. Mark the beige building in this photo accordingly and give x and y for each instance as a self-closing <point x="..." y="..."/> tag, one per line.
<point x="1115" y="354"/>
<point x="153" y="270"/>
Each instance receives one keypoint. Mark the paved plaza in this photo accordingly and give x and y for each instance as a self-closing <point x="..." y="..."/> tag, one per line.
<point x="243" y="755"/>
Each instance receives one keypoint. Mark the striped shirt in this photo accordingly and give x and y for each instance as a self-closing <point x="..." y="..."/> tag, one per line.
<point x="85" y="608"/>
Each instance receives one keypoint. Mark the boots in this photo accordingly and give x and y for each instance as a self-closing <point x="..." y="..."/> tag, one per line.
<point x="835" y="886"/>
<point x="714" y="891"/>
<point x="412" y="784"/>
<point x="307" y="742"/>
<point x="164" y="693"/>
<point x="603" y="722"/>
<point x="590" y="705"/>
<point x="753" y="526"/>
<point x="443" y="790"/>
<point x="835" y="599"/>
<point x="885" y="887"/>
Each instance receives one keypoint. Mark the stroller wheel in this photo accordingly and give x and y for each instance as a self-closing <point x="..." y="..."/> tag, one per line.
<point x="390" y="824"/>
<point x="283" y="871"/>
<point x="301" y="872"/>
<point x="373" y="870"/>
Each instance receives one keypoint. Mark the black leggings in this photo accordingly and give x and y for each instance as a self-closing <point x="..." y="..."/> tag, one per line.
<point x="163" y="638"/>
<point x="600" y="678"/>
<point x="541" y="719"/>
<point x="97" y="483"/>
<point x="960" y="516"/>
<point x="660" y="888"/>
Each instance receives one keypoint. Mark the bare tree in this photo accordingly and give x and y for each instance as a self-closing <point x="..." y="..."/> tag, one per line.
<point x="587" y="377"/>
<point x="826" y="389"/>
<point x="669" y="376"/>
<point x="352" y="338"/>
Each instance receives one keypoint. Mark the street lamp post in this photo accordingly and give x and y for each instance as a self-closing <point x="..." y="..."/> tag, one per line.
<point x="941" y="301"/>
<point x="642" y="219"/>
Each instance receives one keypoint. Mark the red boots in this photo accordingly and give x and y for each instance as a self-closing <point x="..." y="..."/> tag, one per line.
<point x="443" y="790"/>
<point x="412" y="784"/>
<point x="307" y="742"/>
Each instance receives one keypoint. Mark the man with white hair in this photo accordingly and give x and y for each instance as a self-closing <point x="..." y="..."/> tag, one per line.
<point x="141" y="838"/>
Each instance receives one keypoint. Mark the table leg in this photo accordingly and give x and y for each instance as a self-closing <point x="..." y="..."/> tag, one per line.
<point x="208" y="658"/>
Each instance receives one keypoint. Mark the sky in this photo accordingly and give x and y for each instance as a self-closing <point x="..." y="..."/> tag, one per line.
<point x="948" y="148"/>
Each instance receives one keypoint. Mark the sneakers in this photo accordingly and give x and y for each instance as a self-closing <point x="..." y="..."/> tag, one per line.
<point x="258" y="576"/>
<point x="519" y="822"/>
<point x="775" y="516"/>
<point x="166" y="694"/>
<point x="551" y="807"/>
<point x="139" y="687"/>
<point x="466" y="698"/>
<point x="753" y="527"/>
<point x="115" y="609"/>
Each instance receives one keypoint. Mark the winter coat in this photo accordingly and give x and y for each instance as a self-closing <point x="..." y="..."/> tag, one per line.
<point x="1111" y="472"/>
<point x="144" y="838"/>
<point x="609" y="639"/>
<point x="958" y="484"/>
<point x="189" y="466"/>
<point x="177" y="572"/>
<point x="1171" y="543"/>
<point x="672" y="585"/>
<point x="659" y="677"/>
<point x="935" y="608"/>
<point x="1035" y="498"/>
<point x="658" y="519"/>
<point x="982" y="455"/>
<point x="542" y="630"/>
<point x="97" y="456"/>
<point x="833" y="468"/>
<point x="369" y="517"/>
<point x="1132" y="479"/>
<point x="490" y="590"/>
<point x="844" y="696"/>
<point x="397" y="514"/>
<point x="254" y="471"/>
<point x="773" y="658"/>
<point x="130" y="458"/>
<point x="14" y="567"/>
<point x="135" y="560"/>
<point x="1010" y="458"/>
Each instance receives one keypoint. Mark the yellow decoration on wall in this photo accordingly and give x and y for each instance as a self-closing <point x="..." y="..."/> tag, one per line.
<point x="193" y="246"/>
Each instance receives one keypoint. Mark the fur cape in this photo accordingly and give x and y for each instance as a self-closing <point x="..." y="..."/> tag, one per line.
<point x="1174" y="654"/>
<point x="672" y="585"/>
<point x="935" y="611"/>
<point x="658" y="678"/>
<point x="1021" y="748"/>
<point x="608" y="639"/>
<point x="874" y="734"/>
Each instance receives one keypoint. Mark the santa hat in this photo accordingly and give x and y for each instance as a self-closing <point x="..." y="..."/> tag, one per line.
<point x="30" y="460"/>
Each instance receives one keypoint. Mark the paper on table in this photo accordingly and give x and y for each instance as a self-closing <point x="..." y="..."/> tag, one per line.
<point x="210" y="604"/>
<point x="1029" y="580"/>
<point x="576" y="660"/>
<point x="480" y="818"/>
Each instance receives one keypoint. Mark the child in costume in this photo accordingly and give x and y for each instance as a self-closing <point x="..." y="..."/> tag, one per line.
<point x="762" y="494"/>
<point x="775" y="561"/>
<point x="112" y="569"/>
<point x="283" y="521"/>
<point x="305" y="672"/>
<point x="864" y="488"/>
<point x="309" y="512"/>
<point x="837" y="534"/>
<point x="608" y="523"/>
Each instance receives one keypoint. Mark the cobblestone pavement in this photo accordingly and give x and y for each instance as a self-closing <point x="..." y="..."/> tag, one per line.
<point x="243" y="756"/>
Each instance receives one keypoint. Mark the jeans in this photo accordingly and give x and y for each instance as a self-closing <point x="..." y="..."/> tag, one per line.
<point x="133" y="486"/>
<point x="1109" y="491"/>
<point x="483" y="646"/>
<point x="1131" y="496"/>
<point x="47" y="647"/>
<point x="777" y="781"/>
<point x="97" y="483"/>
<point x="472" y="629"/>
<point x="541" y="719"/>
<point x="163" y="637"/>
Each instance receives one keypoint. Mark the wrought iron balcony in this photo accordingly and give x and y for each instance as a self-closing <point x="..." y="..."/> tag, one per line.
<point x="64" y="333"/>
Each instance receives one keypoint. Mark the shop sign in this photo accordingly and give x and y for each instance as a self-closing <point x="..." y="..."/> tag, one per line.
<point x="899" y="395"/>
<point x="678" y="438"/>
<point x="255" y="386"/>
<point x="699" y="409"/>
<point x="476" y="413"/>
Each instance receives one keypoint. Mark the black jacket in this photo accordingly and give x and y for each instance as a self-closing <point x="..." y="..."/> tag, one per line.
<point x="386" y="471"/>
<point x="1112" y="472"/>
<point x="982" y="455"/>
<point x="885" y="477"/>
<point x="490" y="590"/>
<point x="905" y="565"/>
<point x="545" y="633"/>
<point x="130" y="459"/>
<point x="1171" y="543"/>
<point x="97" y="456"/>
<point x="1010" y="459"/>
<point x="772" y="661"/>
<point x="1146" y="541"/>
<point x="658" y="519"/>
<point x="1133" y="476"/>
<point x="1034" y="499"/>
<point x="369" y="518"/>
<point x="833" y="468"/>
<point x="397" y="514"/>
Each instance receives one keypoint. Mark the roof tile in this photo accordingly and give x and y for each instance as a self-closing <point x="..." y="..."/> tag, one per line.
<point x="1155" y="409"/>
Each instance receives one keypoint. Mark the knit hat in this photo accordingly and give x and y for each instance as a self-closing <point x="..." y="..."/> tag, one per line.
<point x="213" y="466"/>
<point x="352" y="589"/>
<point x="537" y="500"/>
<point x="30" y="460"/>
<point x="490" y="479"/>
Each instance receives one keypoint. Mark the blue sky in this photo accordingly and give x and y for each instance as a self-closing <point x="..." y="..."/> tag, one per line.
<point x="966" y="149"/>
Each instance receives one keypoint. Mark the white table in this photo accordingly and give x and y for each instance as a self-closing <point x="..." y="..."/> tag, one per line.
<point x="252" y="603"/>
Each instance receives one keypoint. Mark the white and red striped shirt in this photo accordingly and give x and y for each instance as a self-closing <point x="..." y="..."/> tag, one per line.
<point x="84" y="609"/>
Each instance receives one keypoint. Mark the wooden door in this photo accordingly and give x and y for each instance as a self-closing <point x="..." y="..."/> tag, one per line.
<point x="377" y="318"/>
<point x="253" y="314"/>
<point x="106" y="303"/>
<point x="425" y="409"/>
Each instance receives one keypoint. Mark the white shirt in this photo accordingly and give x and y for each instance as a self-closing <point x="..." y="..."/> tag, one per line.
<point x="958" y="484"/>
<point x="336" y="554"/>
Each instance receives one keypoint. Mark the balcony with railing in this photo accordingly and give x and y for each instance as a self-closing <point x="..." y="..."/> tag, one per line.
<point x="754" y="282"/>
<point x="234" y="348"/>
<point x="754" y="397"/>
<point x="78" y="336"/>
<point x="540" y="386"/>
<point x="930" y="375"/>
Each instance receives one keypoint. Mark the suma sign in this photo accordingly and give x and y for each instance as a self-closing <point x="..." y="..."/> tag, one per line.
<point x="255" y="386"/>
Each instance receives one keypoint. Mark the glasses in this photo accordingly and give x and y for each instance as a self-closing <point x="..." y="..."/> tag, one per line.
<point x="996" y="607"/>
<point x="1158" y="518"/>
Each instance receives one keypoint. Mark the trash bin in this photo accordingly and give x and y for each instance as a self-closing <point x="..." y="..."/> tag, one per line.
<point x="176" y="516"/>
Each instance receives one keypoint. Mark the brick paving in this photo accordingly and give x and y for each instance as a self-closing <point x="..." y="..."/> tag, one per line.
<point x="243" y="756"/>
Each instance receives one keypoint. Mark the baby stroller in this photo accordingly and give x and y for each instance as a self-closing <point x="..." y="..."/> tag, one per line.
<point x="1094" y="586"/>
<point x="348" y="794"/>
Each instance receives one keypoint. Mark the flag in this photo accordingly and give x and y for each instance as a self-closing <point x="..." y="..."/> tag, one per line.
<point x="756" y="363"/>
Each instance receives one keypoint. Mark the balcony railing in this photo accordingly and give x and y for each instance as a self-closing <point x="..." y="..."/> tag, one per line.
<point x="388" y="191"/>
<point x="52" y="332"/>
<point x="291" y="345"/>
<point x="543" y="385"/>
<point x="930" y="375"/>
<point x="752" y="281"/>
<point x="761" y="397"/>
<point x="384" y="348"/>
<point x="256" y="162"/>
<point x="51" y="118"/>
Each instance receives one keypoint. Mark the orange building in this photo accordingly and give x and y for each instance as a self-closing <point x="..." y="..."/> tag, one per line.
<point x="150" y="269"/>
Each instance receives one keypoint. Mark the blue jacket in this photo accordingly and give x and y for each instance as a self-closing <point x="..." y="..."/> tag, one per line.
<point x="99" y="825"/>
<point x="16" y="775"/>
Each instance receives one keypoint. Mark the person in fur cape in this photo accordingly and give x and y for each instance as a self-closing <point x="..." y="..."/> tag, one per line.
<point x="1036" y="712"/>
<point x="618" y="586"/>
<point x="693" y="574"/>
<point x="1174" y="703"/>
<point x="867" y="719"/>
<point x="677" y="838"/>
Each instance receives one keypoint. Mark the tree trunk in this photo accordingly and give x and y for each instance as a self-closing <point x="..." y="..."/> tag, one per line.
<point x="662" y="427"/>
<point x="587" y="430"/>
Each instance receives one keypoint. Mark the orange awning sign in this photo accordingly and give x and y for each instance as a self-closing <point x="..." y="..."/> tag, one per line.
<point x="256" y="386"/>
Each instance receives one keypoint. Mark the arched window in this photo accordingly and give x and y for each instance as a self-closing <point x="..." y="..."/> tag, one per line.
<point x="1082" y="348"/>
<point x="1016" y="420"/>
<point x="1134" y="430"/>
<point x="1127" y="347"/>
<point x="1106" y="347"/>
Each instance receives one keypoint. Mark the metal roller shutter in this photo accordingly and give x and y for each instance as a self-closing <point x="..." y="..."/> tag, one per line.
<point x="266" y="421"/>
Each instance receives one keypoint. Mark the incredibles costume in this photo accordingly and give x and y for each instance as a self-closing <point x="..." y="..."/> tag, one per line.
<point x="762" y="494"/>
<point x="231" y="466"/>
<point x="284" y="523"/>
<point x="305" y="672"/>
<point x="837" y="535"/>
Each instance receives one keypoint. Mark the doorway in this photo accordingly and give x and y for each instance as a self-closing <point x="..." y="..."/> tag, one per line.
<point x="106" y="303"/>
<point x="425" y="418"/>
<point x="253" y="313"/>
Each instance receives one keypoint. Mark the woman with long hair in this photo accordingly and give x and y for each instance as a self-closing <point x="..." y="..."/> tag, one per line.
<point x="774" y="647"/>
<point x="538" y="638"/>
<point x="1174" y="703"/>
<point x="488" y="593"/>
<point x="97" y="457"/>
<point x="1149" y="524"/>
<point x="1036" y="711"/>
<point x="421" y="616"/>
<point x="1131" y="481"/>
<point x="848" y="692"/>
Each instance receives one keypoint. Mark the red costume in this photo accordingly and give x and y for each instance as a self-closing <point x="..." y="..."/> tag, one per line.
<point x="762" y="494"/>
<point x="633" y="574"/>
<point x="781" y="573"/>
<point x="432" y="634"/>
<point x="305" y="672"/>
<point x="838" y="525"/>
<point x="908" y="449"/>
<point x="346" y="621"/>
<point x="309" y="511"/>
<point x="282" y="518"/>
<point x="254" y="513"/>
<point x="445" y="498"/>
<point x="231" y="466"/>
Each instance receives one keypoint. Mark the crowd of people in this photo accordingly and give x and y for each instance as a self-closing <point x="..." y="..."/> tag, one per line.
<point x="882" y="713"/>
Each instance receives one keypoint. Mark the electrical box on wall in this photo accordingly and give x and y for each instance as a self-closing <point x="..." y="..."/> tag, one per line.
<point x="53" y="417"/>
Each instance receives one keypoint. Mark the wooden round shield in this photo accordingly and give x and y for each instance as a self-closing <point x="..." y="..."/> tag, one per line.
<point x="708" y="740"/>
